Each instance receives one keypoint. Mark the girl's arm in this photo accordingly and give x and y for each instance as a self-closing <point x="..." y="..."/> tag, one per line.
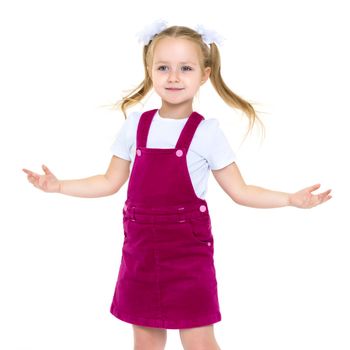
<point x="94" y="186"/>
<point x="231" y="181"/>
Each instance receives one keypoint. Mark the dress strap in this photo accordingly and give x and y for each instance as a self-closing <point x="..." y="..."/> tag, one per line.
<point x="143" y="127"/>
<point x="188" y="131"/>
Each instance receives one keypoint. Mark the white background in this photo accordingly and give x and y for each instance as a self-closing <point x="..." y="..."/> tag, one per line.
<point x="283" y="274"/>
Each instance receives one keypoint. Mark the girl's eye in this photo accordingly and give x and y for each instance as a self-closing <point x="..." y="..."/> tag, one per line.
<point x="184" y="68"/>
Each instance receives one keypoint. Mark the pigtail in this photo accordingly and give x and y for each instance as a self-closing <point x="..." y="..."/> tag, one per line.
<point x="232" y="99"/>
<point x="137" y="94"/>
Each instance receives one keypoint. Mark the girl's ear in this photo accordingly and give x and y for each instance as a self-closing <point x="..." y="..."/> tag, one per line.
<point x="206" y="74"/>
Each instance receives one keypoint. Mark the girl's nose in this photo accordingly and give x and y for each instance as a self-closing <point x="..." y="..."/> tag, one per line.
<point x="173" y="75"/>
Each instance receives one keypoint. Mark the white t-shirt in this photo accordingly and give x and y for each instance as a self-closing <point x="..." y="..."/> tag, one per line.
<point x="209" y="149"/>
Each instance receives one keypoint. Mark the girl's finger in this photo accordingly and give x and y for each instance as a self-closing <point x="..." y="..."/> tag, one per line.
<point x="323" y="197"/>
<point x="27" y="171"/>
<point x="31" y="173"/>
<point x="313" y="188"/>
<point x="326" y="197"/>
<point x="324" y="194"/>
<point x="46" y="170"/>
<point x="33" y="177"/>
<point x="32" y="181"/>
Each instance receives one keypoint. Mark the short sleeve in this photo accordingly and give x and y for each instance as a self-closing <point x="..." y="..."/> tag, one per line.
<point x="219" y="151"/>
<point x="122" y="144"/>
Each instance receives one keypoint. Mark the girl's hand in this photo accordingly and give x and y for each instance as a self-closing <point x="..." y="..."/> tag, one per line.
<point x="47" y="182"/>
<point x="305" y="199"/>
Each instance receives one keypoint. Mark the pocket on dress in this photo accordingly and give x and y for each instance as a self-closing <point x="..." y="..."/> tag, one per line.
<point x="201" y="230"/>
<point x="125" y="227"/>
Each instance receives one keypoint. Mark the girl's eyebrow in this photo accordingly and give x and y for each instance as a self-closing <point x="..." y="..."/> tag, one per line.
<point x="183" y="62"/>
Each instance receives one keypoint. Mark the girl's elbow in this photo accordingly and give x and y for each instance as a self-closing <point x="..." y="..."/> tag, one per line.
<point x="238" y="200"/>
<point x="239" y="197"/>
<point x="114" y="185"/>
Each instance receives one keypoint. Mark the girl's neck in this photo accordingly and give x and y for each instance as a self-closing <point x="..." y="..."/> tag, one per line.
<point x="175" y="111"/>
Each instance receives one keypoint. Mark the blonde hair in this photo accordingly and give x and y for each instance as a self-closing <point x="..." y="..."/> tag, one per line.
<point x="209" y="57"/>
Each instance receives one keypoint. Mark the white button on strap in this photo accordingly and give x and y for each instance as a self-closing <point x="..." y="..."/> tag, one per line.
<point x="179" y="153"/>
<point x="202" y="208"/>
<point x="138" y="152"/>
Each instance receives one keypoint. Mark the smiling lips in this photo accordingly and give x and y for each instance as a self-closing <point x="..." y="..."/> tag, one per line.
<point x="174" y="89"/>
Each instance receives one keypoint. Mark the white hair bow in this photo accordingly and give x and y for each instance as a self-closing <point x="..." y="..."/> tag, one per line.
<point x="209" y="36"/>
<point x="147" y="34"/>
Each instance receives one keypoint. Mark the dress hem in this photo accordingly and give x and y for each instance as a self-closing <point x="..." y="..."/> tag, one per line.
<point x="159" y="323"/>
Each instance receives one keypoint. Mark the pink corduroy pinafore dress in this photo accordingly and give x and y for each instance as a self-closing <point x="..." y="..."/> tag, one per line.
<point x="167" y="276"/>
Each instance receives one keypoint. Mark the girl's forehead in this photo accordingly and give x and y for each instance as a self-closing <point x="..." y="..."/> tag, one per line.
<point x="176" y="49"/>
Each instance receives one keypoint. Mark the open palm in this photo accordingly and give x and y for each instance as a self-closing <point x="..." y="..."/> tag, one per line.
<point x="47" y="182"/>
<point x="305" y="199"/>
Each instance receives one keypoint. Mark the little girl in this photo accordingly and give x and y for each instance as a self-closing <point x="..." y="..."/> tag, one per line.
<point x="167" y="276"/>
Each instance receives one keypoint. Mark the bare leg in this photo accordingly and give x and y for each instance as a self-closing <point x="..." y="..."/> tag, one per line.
<point x="200" y="338"/>
<point x="149" y="338"/>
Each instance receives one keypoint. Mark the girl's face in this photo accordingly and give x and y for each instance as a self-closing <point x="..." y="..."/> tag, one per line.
<point x="176" y="73"/>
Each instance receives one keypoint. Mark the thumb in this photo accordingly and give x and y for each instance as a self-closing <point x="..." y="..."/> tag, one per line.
<point x="46" y="170"/>
<point x="313" y="188"/>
